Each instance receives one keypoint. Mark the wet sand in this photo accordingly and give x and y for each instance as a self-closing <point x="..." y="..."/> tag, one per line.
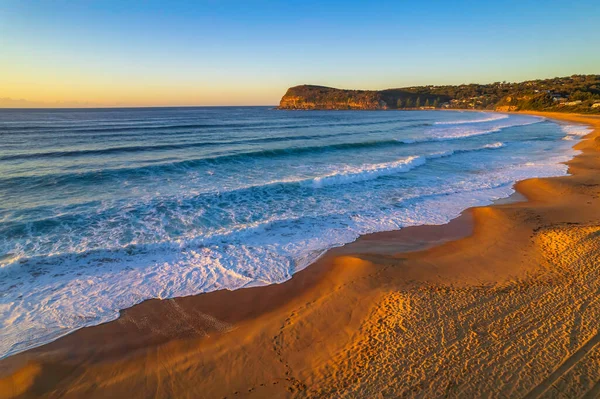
<point x="503" y="301"/>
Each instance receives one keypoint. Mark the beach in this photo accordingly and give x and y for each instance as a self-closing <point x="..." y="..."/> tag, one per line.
<point x="500" y="302"/>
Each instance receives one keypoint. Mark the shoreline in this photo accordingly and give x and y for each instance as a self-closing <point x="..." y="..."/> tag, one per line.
<point x="299" y="264"/>
<point x="349" y="284"/>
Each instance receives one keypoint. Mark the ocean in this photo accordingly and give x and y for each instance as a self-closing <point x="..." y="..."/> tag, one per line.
<point x="102" y="209"/>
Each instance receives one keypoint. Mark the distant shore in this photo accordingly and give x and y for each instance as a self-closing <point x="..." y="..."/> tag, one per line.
<point x="576" y="93"/>
<point x="501" y="301"/>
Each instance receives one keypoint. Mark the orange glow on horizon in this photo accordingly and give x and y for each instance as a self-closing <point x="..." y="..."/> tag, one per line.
<point x="61" y="89"/>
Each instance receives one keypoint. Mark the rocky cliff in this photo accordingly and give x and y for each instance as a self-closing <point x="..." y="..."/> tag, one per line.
<point x="319" y="97"/>
<point x="576" y="93"/>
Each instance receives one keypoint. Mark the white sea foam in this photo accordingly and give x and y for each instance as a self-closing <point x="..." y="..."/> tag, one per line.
<point x="373" y="171"/>
<point x="491" y="118"/>
<point x="576" y="130"/>
<point x="461" y="132"/>
<point x="442" y="154"/>
<point x="368" y="171"/>
<point x="494" y="145"/>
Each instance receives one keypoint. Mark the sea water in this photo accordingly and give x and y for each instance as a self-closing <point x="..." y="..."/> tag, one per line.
<point x="102" y="209"/>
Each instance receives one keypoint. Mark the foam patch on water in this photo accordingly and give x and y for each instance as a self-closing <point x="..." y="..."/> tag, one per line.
<point x="448" y="153"/>
<point x="494" y="145"/>
<point x="575" y="131"/>
<point x="460" y="132"/>
<point x="368" y="172"/>
<point x="491" y="118"/>
<point x="374" y="171"/>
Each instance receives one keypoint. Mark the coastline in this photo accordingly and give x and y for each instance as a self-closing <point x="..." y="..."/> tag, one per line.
<point x="313" y="334"/>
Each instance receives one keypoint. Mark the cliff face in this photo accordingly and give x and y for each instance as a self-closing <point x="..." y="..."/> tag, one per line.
<point x="319" y="97"/>
<point x="577" y="93"/>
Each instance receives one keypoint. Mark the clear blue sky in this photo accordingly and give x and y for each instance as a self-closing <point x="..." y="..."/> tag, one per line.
<point x="248" y="52"/>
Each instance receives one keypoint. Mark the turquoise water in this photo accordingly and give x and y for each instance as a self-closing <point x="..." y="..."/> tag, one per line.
<point x="101" y="209"/>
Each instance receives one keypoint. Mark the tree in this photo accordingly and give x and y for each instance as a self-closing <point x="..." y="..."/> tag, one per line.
<point x="399" y="103"/>
<point x="408" y="103"/>
<point x="436" y="102"/>
<point x="427" y="103"/>
<point x="418" y="103"/>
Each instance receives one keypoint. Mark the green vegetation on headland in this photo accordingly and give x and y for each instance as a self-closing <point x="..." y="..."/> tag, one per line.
<point x="577" y="93"/>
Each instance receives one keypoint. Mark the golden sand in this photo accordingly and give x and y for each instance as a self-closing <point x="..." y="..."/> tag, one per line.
<point x="501" y="302"/>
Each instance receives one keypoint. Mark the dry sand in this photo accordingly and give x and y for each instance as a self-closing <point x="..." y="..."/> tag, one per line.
<point x="501" y="302"/>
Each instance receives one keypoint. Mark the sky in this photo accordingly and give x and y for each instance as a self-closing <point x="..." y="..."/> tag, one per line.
<point x="73" y="53"/>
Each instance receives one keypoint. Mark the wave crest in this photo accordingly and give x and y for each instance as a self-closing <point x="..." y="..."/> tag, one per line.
<point x="468" y="121"/>
<point x="576" y="130"/>
<point x="368" y="172"/>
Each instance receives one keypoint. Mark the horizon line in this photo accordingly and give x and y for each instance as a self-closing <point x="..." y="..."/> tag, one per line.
<point x="135" y="107"/>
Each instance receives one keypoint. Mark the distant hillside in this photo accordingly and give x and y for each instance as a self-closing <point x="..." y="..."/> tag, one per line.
<point x="577" y="93"/>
